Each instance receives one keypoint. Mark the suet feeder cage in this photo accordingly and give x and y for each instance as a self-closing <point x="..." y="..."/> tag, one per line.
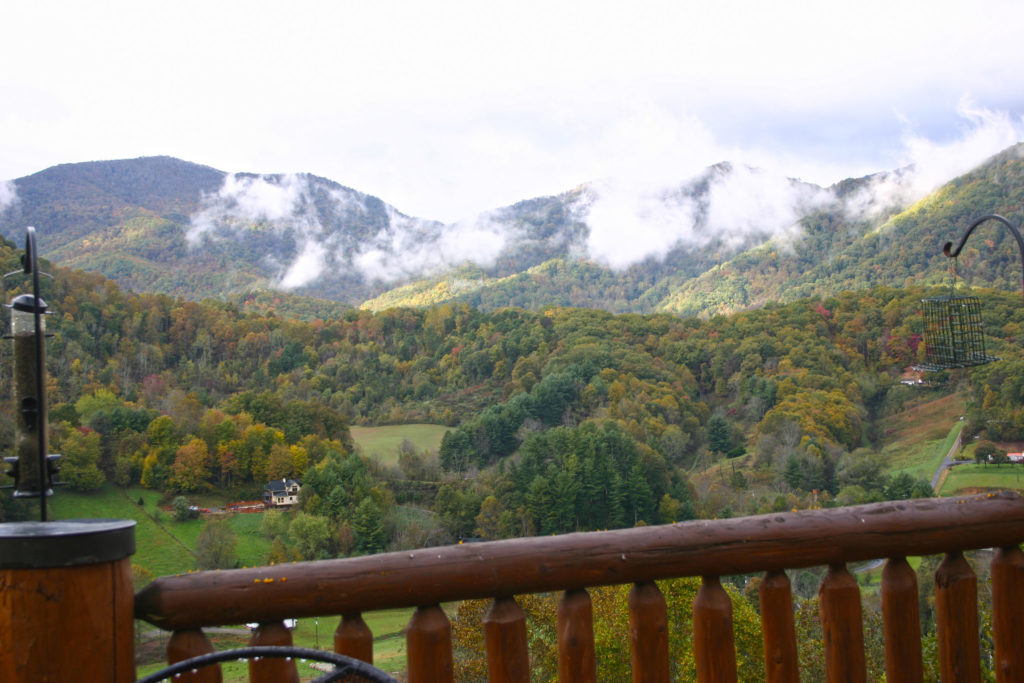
<point x="954" y="336"/>
<point x="953" y="333"/>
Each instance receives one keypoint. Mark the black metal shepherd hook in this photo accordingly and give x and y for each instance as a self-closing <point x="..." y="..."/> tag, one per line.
<point x="954" y="334"/>
<point x="950" y="252"/>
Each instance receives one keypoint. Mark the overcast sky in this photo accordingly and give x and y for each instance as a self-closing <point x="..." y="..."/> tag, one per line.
<point x="444" y="109"/>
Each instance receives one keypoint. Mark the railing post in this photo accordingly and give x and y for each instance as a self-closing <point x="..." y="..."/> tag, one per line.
<point x="1008" y="613"/>
<point x="66" y="602"/>
<point x="842" y="626"/>
<point x="576" y="662"/>
<point x="956" y="615"/>
<point x="354" y="638"/>
<point x="508" y="659"/>
<point x="188" y="644"/>
<point x="428" y="641"/>
<point x="778" y="630"/>
<point x="902" y="622"/>
<point x="272" y="670"/>
<point x="713" y="646"/>
<point x="648" y="630"/>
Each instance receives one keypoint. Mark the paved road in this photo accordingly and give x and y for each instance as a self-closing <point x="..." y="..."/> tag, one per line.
<point x="948" y="461"/>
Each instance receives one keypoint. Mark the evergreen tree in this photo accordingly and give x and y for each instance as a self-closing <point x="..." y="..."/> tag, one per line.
<point x="368" y="525"/>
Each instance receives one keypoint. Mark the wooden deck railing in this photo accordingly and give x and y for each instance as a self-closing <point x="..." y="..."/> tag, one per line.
<point x="574" y="562"/>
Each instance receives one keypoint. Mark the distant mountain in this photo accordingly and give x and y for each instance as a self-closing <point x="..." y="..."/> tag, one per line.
<point x="729" y="239"/>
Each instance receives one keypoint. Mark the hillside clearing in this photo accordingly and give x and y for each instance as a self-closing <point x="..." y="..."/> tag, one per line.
<point x="381" y="443"/>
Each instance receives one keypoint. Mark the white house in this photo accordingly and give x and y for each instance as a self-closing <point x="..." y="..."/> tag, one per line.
<point x="281" y="493"/>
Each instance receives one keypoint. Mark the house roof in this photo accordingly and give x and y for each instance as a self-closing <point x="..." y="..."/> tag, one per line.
<point x="281" y="485"/>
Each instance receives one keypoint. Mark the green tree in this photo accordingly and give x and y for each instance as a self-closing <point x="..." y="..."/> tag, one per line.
<point x="215" y="546"/>
<point x="80" y="461"/>
<point x="310" y="537"/>
<point x="182" y="509"/>
<point x="719" y="435"/>
<point x="368" y="524"/>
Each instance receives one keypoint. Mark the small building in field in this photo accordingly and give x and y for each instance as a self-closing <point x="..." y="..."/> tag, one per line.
<point x="281" y="493"/>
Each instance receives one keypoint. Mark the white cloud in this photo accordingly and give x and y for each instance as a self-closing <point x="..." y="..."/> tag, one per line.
<point x="404" y="247"/>
<point x="8" y="194"/>
<point x="928" y="164"/>
<point x="306" y="268"/>
<point x="282" y="204"/>
<point x="740" y="204"/>
<point x="413" y="247"/>
<point x="244" y="200"/>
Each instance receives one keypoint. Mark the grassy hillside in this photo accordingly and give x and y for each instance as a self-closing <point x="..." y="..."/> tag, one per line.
<point x="162" y="545"/>
<point x="917" y="439"/>
<point x="158" y="549"/>
<point x="381" y="443"/>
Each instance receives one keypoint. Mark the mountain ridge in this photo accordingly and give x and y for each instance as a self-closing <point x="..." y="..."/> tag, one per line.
<point x="729" y="239"/>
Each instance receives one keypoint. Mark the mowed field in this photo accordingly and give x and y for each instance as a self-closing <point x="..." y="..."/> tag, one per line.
<point x="381" y="443"/>
<point x="917" y="439"/>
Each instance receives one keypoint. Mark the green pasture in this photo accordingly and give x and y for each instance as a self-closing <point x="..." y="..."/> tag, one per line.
<point x="381" y="443"/>
<point x="162" y="545"/>
<point x="157" y="548"/>
<point x="917" y="439"/>
<point x="973" y="477"/>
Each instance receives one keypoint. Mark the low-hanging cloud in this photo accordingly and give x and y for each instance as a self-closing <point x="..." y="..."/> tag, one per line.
<point x="284" y="204"/>
<point x="927" y="164"/>
<point x="403" y="248"/>
<point x="629" y="224"/>
<point x="642" y="211"/>
<point x="8" y="194"/>
<point x="409" y="249"/>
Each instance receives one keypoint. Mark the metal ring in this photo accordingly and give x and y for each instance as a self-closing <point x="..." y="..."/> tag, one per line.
<point x="344" y="665"/>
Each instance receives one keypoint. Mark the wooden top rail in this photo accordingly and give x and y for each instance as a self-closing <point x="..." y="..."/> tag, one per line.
<point x="537" y="564"/>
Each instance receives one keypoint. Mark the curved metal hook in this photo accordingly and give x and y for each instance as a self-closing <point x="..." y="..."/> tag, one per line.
<point x="950" y="252"/>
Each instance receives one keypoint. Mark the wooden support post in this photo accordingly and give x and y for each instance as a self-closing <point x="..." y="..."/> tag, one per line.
<point x="902" y="622"/>
<point x="648" y="630"/>
<point x="354" y="638"/>
<point x="713" y="646"/>
<point x="66" y="602"/>
<point x="1008" y="613"/>
<point x="576" y="663"/>
<point x="956" y="615"/>
<point x="272" y="669"/>
<point x="778" y="629"/>
<point x="428" y="641"/>
<point x="188" y="644"/>
<point x="842" y="626"/>
<point x="508" y="659"/>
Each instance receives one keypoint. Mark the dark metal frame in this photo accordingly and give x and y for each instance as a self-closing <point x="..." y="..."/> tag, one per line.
<point x="955" y="338"/>
<point x="346" y="668"/>
<point x="953" y="325"/>
<point x="953" y="253"/>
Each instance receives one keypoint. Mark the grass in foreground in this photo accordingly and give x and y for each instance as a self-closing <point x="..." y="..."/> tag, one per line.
<point x="315" y="633"/>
